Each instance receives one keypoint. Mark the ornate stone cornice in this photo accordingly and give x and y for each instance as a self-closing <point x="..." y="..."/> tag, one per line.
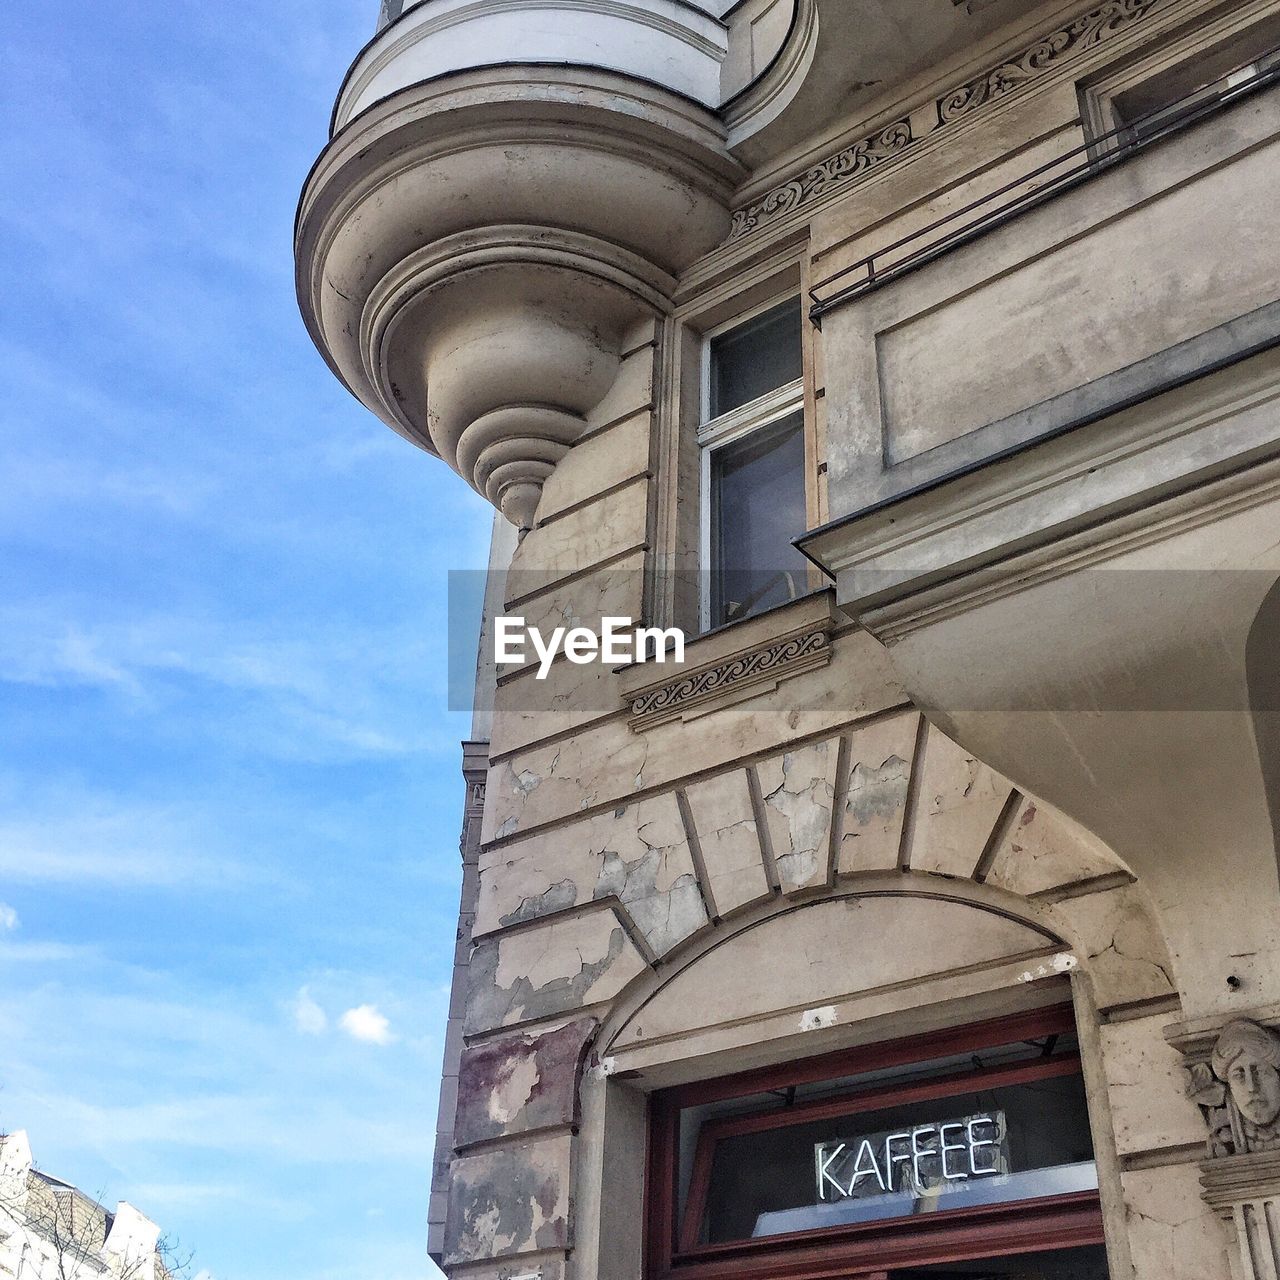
<point x="699" y="691"/>
<point x="1050" y="50"/>
<point x="1046" y="53"/>
<point x="1234" y="1180"/>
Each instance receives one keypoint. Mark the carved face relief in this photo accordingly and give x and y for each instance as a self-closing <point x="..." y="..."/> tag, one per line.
<point x="1246" y="1060"/>
<point x="1255" y="1089"/>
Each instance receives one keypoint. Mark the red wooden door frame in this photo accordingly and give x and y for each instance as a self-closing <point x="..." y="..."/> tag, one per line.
<point x="861" y="1251"/>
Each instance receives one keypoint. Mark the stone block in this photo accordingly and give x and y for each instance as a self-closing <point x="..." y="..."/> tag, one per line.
<point x="1118" y="939"/>
<point x="1046" y="850"/>
<point x="549" y="970"/>
<point x="644" y="861"/>
<point x="798" y="789"/>
<point x="726" y="825"/>
<point x="522" y="1083"/>
<point x="596" y="465"/>
<point x="876" y="788"/>
<point x="631" y="392"/>
<point x="510" y="1200"/>
<point x="1173" y="1234"/>
<point x="637" y="852"/>
<point x="958" y="806"/>
<point x="580" y="540"/>
<point x="1146" y="1086"/>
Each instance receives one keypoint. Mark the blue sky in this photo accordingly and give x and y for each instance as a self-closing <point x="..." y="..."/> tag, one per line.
<point x="229" y="790"/>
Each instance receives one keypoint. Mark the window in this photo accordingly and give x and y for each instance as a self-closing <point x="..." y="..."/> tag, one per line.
<point x="1144" y="98"/>
<point x="752" y="445"/>
<point x="967" y="1153"/>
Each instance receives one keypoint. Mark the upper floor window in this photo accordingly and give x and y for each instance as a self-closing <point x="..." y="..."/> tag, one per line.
<point x="1145" y="97"/>
<point x="752" y="445"/>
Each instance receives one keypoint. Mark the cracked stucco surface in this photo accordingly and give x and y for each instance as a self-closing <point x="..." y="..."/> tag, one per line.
<point x="959" y="804"/>
<point x="1146" y="1086"/>
<point x="580" y="540"/>
<point x="520" y="1083"/>
<point x="657" y="884"/>
<point x="555" y="781"/>
<point x="549" y="969"/>
<point x="637" y="852"/>
<point x="1117" y="937"/>
<point x="509" y="1201"/>
<point x="1045" y="850"/>
<point x="607" y="763"/>
<point x="1173" y="1234"/>
<point x="799" y="790"/>
<point x="880" y="760"/>
<point x="725" y="822"/>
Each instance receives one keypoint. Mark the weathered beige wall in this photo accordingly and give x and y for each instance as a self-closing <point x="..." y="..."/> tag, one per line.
<point x="674" y="892"/>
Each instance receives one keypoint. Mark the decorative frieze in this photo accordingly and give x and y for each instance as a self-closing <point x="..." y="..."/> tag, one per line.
<point x="890" y="142"/>
<point x="858" y="159"/>
<point x="726" y="681"/>
<point x="1048" y="51"/>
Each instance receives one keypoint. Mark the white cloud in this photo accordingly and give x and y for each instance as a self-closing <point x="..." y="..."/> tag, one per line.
<point x="76" y="656"/>
<point x="289" y="691"/>
<point x="364" y="1022"/>
<point x="47" y="953"/>
<point x="8" y="918"/>
<point x="77" y="837"/>
<point x="308" y="1016"/>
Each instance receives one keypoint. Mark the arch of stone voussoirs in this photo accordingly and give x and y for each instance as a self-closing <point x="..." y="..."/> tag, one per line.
<point x="596" y="908"/>
<point x="928" y="822"/>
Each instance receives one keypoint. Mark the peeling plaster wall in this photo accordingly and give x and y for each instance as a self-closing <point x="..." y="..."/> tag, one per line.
<point x="729" y="870"/>
<point x="588" y="908"/>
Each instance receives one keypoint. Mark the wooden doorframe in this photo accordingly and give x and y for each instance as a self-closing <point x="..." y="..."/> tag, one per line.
<point x="860" y="1251"/>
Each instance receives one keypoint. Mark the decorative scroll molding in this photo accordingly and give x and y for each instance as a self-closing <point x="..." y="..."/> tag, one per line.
<point x="834" y="170"/>
<point x="1088" y="30"/>
<point x="731" y="679"/>
<point x="1046" y="53"/>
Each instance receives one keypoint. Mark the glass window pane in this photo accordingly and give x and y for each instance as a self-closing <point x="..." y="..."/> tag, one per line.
<point x="1200" y="79"/>
<point x="757" y="507"/>
<point x="1089" y="1263"/>
<point x="758" y="356"/>
<point x="999" y="1139"/>
<point x="766" y="1184"/>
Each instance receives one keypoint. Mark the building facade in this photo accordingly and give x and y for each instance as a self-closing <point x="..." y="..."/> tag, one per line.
<point x="920" y="360"/>
<point x="51" y="1230"/>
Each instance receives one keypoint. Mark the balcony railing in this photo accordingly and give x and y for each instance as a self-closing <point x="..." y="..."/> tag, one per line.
<point x="1031" y="189"/>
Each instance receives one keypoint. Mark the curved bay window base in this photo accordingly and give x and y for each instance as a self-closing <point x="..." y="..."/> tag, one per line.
<point x="474" y="249"/>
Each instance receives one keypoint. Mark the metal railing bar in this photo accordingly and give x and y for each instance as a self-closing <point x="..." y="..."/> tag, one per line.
<point x="1129" y="139"/>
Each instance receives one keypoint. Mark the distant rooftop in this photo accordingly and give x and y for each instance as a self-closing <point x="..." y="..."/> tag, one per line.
<point x="390" y="10"/>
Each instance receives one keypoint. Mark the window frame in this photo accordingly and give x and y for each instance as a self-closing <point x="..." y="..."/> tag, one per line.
<point x="859" y="1251"/>
<point x="1100" y="94"/>
<point x="734" y="425"/>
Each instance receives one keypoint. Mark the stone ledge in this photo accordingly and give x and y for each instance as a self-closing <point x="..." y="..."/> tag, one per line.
<point x="1232" y="1179"/>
